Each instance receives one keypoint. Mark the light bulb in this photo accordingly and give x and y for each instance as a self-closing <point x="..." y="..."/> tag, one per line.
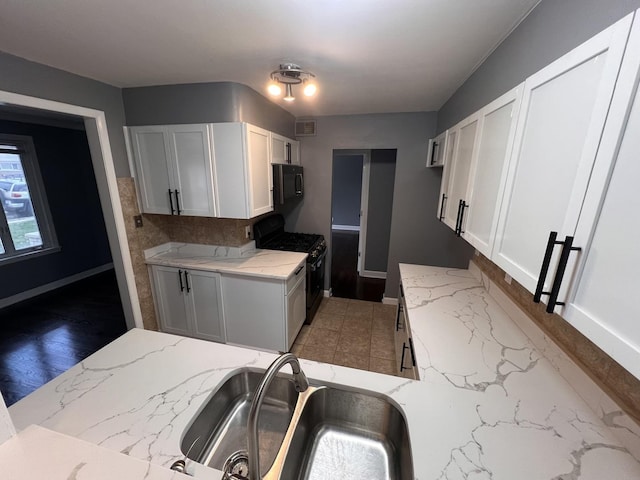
<point x="274" y="89"/>
<point x="310" y="89"/>
<point x="289" y="96"/>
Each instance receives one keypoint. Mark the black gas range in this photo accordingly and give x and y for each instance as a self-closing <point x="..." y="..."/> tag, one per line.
<point x="269" y="234"/>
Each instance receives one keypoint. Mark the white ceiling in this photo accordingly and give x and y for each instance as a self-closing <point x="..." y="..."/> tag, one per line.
<point x="369" y="56"/>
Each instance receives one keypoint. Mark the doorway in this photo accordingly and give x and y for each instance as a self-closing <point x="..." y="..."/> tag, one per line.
<point x="362" y="200"/>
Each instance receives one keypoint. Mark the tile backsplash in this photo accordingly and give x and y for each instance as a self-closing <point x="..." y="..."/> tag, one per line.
<point x="159" y="229"/>
<point x="623" y="387"/>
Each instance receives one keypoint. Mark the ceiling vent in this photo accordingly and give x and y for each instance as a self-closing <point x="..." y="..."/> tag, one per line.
<point x="305" y="128"/>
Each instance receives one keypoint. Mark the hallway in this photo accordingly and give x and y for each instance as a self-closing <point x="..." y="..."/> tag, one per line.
<point x="345" y="281"/>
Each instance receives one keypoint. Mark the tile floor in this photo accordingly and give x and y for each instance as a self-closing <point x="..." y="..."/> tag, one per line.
<point x="351" y="333"/>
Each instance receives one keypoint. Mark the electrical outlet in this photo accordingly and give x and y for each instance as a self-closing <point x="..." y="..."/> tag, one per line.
<point x="507" y="278"/>
<point x="137" y="220"/>
<point x="476" y="253"/>
<point x="247" y="231"/>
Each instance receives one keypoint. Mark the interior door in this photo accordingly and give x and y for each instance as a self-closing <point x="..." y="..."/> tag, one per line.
<point x="564" y="108"/>
<point x="193" y="169"/>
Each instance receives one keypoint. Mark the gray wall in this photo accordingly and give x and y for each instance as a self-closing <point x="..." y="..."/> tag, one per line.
<point x="205" y="103"/>
<point x="37" y="80"/>
<point x="552" y="29"/>
<point x="347" y="189"/>
<point x="72" y="194"/>
<point x="416" y="234"/>
<point x="382" y="176"/>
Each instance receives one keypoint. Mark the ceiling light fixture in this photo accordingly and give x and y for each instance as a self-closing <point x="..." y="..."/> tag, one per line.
<point x="291" y="74"/>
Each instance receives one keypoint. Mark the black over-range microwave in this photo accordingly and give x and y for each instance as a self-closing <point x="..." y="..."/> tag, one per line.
<point x="288" y="183"/>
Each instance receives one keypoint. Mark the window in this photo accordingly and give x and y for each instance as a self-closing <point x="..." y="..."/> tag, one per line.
<point x="25" y="220"/>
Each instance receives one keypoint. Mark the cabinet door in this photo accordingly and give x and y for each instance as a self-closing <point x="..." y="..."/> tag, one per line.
<point x="461" y="165"/>
<point x="278" y="148"/>
<point x="259" y="171"/>
<point x="204" y="303"/>
<point x="191" y="154"/>
<point x="294" y="152"/>
<point x="151" y="155"/>
<point x="296" y="310"/>
<point x="437" y="145"/>
<point x="449" y="151"/>
<point x="563" y="111"/>
<point x="602" y="301"/>
<point x="169" y="295"/>
<point x="488" y="175"/>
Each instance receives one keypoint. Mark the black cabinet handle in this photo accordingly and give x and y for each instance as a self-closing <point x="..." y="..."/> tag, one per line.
<point x="299" y="269"/>
<point x="444" y="199"/>
<point x="288" y="146"/>
<point x="398" y="317"/>
<point x="404" y="349"/>
<point x="186" y="281"/>
<point x="544" y="269"/>
<point x="171" y="202"/>
<point x="433" y="153"/>
<point x="177" y="202"/>
<point x="463" y="205"/>
<point x="567" y="248"/>
<point x="413" y="353"/>
<point x="180" y="277"/>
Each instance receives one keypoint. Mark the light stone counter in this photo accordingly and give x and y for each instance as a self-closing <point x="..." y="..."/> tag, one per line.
<point x="531" y="418"/>
<point x="138" y="395"/>
<point x="245" y="260"/>
<point x="41" y="454"/>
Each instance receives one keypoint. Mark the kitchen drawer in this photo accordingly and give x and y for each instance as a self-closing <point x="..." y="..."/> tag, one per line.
<point x="299" y="273"/>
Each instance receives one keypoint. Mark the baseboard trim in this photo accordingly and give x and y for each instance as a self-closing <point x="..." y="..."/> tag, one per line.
<point x="346" y="228"/>
<point x="34" y="292"/>
<point x="373" y="274"/>
<point x="389" y="300"/>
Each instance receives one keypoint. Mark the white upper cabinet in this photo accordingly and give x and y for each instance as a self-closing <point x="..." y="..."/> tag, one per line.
<point x="174" y="169"/>
<point x="449" y="150"/>
<point x="436" y="150"/>
<point x="458" y="181"/>
<point x="488" y="172"/>
<point x="243" y="170"/>
<point x="602" y="279"/>
<point x="564" y="108"/>
<point x="284" y="150"/>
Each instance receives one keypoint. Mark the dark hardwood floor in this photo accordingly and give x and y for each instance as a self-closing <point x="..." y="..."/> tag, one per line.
<point x="45" y="336"/>
<point x="345" y="281"/>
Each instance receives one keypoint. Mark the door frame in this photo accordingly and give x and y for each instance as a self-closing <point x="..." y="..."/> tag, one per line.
<point x="364" y="211"/>
<point x="104" y="170"/>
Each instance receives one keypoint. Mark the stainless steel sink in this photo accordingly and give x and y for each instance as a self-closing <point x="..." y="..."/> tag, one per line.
<point x="348" y="435"/>
<point x="324" y="432"/>
<point x="221" y="427"/>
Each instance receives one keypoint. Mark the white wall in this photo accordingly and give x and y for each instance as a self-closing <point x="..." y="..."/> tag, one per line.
<point x="416" y="234"/>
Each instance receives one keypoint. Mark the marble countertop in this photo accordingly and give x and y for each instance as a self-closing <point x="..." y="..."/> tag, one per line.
<point x="529" y="421"/>
<point x="489" y="405"/>
<point x="245" y="260"/>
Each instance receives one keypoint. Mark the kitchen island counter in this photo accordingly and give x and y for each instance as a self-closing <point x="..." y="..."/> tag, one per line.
<point x="139" y="394"/>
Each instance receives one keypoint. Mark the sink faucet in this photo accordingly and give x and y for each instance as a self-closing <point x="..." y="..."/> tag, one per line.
<point x="301" y="383"/>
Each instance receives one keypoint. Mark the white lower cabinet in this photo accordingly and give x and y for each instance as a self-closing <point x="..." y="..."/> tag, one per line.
<point x="189" y="302"/>
<point x="264" y="313"/>
<point x="405" y="353"/>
